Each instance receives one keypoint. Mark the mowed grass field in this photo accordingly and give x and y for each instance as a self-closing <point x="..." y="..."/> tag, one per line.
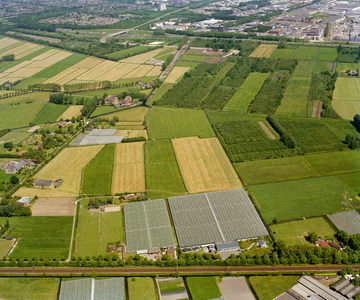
<point x="141" y="288"/>
<point x="204" y="165"/>
<point x="346" y="109"/>
<point x="306" y="53"/>
<point x="5" y="247"/>
<point x="327" y="54"/>
<point x="174" y="123"/>
<point x="247" y="92"/>
<point x="50" y="113"/>
<point x="14" y="137"/>
<point x="98" y="173"/>
<point x="68" y="166"/>
<point x="19" y="115"/>
<point x="22" y="99"/>
<point x="203" y="288"/>
<point x="29" y="288"/>
<point x="346" y="66"/>
<point x="94" y="231"/>
<point x="269" y="287"/>
<point x="298" y="167"/>
<point x="129" y="170"/>
<point x="295" y="232"/>
<point x="283" y="53"/>
<point x="136" y="114"/>
<point x="160" y="92"/>
<point x="304" y="68"/>
<point x="263" y="50"/>
<point x="296" y="199"/>
<point x="347" y="89"/>
<point x="175" y="74"/>
<point x="323" y="66"/>
<point x="42" y="237"/>
<point x="163" y="178"/>
<point x="71" y="111"/>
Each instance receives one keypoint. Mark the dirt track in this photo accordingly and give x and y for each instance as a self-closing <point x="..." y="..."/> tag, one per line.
<point x="149" y="271"/>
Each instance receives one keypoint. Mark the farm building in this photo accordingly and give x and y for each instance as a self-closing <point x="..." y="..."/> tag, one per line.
<point x="322" y="243"/>
<point x="24" y="201"/>
<point x="349" y="221"/>
<point x="346" y="288"/>
<point x="14" y="166"/>
<point x="261" y="243"/>
<point x="308" y="288"/>
<point x="97" y="137"/>
<point x="227" y="246"/>
<point x="42" y="182"/>
<point x="215" y="217"/>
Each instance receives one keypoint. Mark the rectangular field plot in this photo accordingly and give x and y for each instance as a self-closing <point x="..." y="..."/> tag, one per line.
<point x="204" y="165"/>
<point x="283" y="53"/>
<point x="264" y="50"/>
<point x="295" y="232"/>
<point x="304" y="68"/>
<point x="346" y="109"/>
<point x="72" y="111"/>
<point x="247" y="92"/>
<point x="128" y="172"/>
<point x="347" y="89"/>
<point x="342" y="67"/>
<point x="296" y="199"/>
<point x="327" y="54"/>
<point x="89" y="139"/>
<point x="147" y="225"/>
<point x="348" y="221"/>
<point x="142" y="58"/>
<point x="53" y="207"/>
<point x="5" y="247"/>
<point x="140" y="71"/>
<point x="323" y="66"/>
<point x="215" y="217"/>
<point x="306" y="53"/>
<point x="141" y="288"/>
<point x="6" y="42"/>
<point x="42" y="237"/>
<point x="175" y="73"/>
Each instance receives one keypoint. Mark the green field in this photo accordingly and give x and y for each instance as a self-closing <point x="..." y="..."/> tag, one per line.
<point x="163" y="178"/>
<point x="327" y="54"/>
<point x="42" y="237"/>
<point x="110" y="92"/>
<point x="5" y="247"/>
<point x="191" y="65"/>
<point x="347" y="88"/>
<point x="304" y="68"/>
<point x="18" y="115"/>
<point x="295" y="232"/>
<point x="197" y="58"/>
<point x="269" y="287"/>
<point x="94" y="231"/>
<point x="323" y="66"/>
<point x="298" y="167"/>
<point x="294" y="102"/>
<point x="60" y="66"/>
<point x="14" y="137"/>
<point x="141" y="288"/>
<point x="346" y="66"/>
<point x="283" y="53"/>
<point x="22" y="99"/>
<point x="98" y="173"/>
<point x="247" y="92"/>
<point x="29" y="288"/>
<point x="306" y="53"/>
<point x="50" y="113"/>
<point x="175" y="123"/>
<point x="129" y="52"/>
<point x="296" y="199"/>
<point x="346" y="109"/>
<point x="203" y="288"/>
<point x="160" y="92"/>
<point x="24" y="84"/>
<point x="172" y="286"/>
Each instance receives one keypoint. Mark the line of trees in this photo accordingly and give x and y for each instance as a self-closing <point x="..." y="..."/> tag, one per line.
<point x="285" y="137"/>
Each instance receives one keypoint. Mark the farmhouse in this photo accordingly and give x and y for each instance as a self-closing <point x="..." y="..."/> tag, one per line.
<point x="262" y="244"/>
<point x="322" y="243"/>
<point x="127" y="101"/>
<point x="42" y="182"/>
<point x="112" y="100"/>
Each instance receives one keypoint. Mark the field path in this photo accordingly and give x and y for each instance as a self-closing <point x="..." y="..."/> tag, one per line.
<point x="315" y="108"/>
<point x="267" y="130"/>
<point x="320" y="109"/>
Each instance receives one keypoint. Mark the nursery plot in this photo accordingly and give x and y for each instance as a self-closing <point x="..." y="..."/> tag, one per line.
<point x="68" y="166"/>
<point x="215" y="217"/>
<point x="283" y="53"/>
<point x="128" y="171"/>
<point x="142" y="58"/>
<point x="306" y="53"/>
<point x="304" y="68"/>
<point x="147" y="225"/>
<point x="347" y="89"/>
<point x="204" y="165"/>
<point x="263" y="50"/>
<point x="348" y="221"/>
<point x="139" y="71"/>
<point x="175" y="73"/>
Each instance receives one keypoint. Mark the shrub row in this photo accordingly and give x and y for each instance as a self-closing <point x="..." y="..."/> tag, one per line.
<point x="285" y="137"/>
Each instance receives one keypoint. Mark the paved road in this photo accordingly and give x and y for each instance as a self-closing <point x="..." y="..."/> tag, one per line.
<point x="150" y="271"/>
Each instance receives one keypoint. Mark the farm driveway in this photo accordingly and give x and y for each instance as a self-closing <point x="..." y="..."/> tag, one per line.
<point x="236" y="288"/>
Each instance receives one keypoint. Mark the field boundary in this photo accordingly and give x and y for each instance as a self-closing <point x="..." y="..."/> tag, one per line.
<point x="177" y="163"/>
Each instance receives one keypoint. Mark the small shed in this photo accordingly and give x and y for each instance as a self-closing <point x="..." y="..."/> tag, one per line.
<point x="42" y="182"/>
<point x="227" y="246"/>
<point x="155" y="250"/>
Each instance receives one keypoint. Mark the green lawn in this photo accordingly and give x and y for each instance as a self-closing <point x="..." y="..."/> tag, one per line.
<point x="129" y="52"/>
<point x="298" y="167"/>
<point x="42" y="237"/>
<point x="247" y="92"/>
<point x="98" y="173"/>
<point x="197" y="58"/>
<point x="160" y="92"/>
<point x="347" y="88"/>
<point x="295" y="232"/>
<point x="172" y="286"/>
<point x="50" y="113"/>
<point x="283" y="53"/>
<point x="14" y="137"/>
<point x="5" y="247"/>
<point x="19" y="115"/>
<point x="203" y="288"/>
<point x="141" y="288"/>
<point x="352" y="181"/>
<point x="22" y="99"/>
<point x="323" y="66"/>
<point x="306" y="53"/>
<point x="296" y="199"/>
<point x="269" y="287"/>
<point x="29" y="288"/>
<point x="94" y="231"/>
<point x="163" y="178"/>
<point x="304" y="68"/>
<point x="346" y="66"/>
<point x="327" y="54"/>
<point x="346" y="109"/>
<point x="170" y="123"/>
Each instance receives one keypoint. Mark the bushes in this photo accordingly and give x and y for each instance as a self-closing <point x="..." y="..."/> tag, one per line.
<point x="286" y="138"/>
<point x="134" y="139"/>
<point x="217" y="98"/>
